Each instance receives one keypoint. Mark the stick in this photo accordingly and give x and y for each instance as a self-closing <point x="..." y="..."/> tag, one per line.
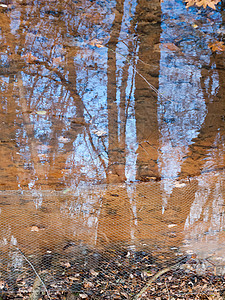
<point x="34" y="271"/>
<point x="157" y="275"/>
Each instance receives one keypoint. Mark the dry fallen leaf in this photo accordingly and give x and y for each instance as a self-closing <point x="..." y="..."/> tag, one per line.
<point x="63" y="139"/>
<point x="41" y="112"/>
<point x="36" y="228"/>
<point x="74" y="278"/>
<point x="210" y="3"/>
<point x="217" y="46"/>
<point x="67" y="265"/>
<point x="2" y="284"/>
<point x="178" y="184"/>
<point x="93" y="272"/>
<point x="99" y="133"/>
<point x="88" y="285"/>
<point x="172" y="225"/>
<point x="204" y="3"/>
<point x="125" y="295"/>
<point x="96" y="43"/>
<point x="83" y="296"/>
<point x="171" y="47"/>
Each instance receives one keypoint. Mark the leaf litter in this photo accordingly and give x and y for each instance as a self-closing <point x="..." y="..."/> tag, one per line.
<point x="117" y="275"/>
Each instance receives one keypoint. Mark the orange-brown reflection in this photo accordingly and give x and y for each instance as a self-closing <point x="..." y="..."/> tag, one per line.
<point x="74" y="111"/>
<point x="60" y="89"/>
<point x="121" y="216"/>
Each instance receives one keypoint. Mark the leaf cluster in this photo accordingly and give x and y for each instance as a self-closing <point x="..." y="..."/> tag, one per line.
<point x="204" y="3"/>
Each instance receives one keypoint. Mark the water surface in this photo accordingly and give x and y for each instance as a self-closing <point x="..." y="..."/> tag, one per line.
<point x="112" y="130"/>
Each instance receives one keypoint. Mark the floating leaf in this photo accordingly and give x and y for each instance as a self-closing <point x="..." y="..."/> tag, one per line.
<point x="217" y="46"/>
<point x="94" y="273"/>
<point x="204" y="3"/>
<point x="41" y="112"/>
<point x="99" y="133"/>
<point x="172" y="225"/>
<point x="64" y="140"/>
<point x="99" y="45"/>
<point x="171" y="47"/>
<point x="179" y="184"/>
<point x="66" y="190"/>
<point x="210" y="3"/>
<point x="189" y="3"/>
<point x="96" y="43"/>
<point x="34" y="228"/>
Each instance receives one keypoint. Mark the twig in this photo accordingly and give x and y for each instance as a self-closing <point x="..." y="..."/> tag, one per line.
<point x="158" y="274"/>
<point x="33" y="270"/>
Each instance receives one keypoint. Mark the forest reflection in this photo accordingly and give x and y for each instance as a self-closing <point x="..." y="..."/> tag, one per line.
<point x="69" y="98"/>
<point x="77" y="105"/>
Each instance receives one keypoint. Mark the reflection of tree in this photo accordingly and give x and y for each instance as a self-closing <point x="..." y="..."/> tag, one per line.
<point x="194" y="145"/>
<point x="46" y="60"/>
<point x="48" y="83"/>
<point x="206" y="152"/>
<point x="116" y="148"/>
<point x="145" y="109"/>
<point x="8" y="113"/>
<point x="205" y="223"/>
<point x="145" y="99"/>
<point x="115" y="222"/>
<point x="190" y="81"/>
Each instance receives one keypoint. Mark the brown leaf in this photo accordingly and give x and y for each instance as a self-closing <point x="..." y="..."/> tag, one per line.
<point x="88" y="285"/>
<point x="83" y="296"/>
<point x="204" y="3"/>
<point x="66" y="264"/>
<point x="171" y="47"/>
<point x="2" y="284"/>
<point x="96" y="43"/>
<point x="94" y="273"/>
<point x="189" y="3"/>
<point x="35" y="228"/>
<point x="217" y="46"/>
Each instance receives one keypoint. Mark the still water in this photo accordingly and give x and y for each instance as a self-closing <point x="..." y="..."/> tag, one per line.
<point x="112" y="127"/>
